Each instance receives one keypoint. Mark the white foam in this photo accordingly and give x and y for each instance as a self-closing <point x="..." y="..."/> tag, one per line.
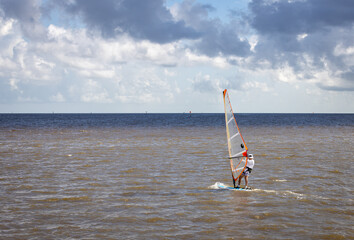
<point x="218" y="185"/>
<point x="283" y="193"/>
<point x="280" y="180"/>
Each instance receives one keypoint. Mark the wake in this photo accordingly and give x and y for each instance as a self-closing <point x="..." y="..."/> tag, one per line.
<point x="282" y="193"/>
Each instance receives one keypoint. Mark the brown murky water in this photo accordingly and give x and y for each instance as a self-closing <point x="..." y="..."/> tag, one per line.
<point x="79" y="177"/>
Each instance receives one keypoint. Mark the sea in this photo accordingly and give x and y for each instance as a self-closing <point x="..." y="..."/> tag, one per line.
<point x="153" y="176"/>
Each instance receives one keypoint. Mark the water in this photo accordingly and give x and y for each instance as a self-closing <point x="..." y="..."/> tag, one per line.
<point x="150" y="176"/>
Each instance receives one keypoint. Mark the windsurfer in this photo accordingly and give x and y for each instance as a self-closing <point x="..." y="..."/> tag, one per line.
<point x="246" y="172"/>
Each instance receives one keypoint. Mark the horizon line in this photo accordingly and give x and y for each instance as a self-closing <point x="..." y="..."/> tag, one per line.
<point x="175" y="113"/>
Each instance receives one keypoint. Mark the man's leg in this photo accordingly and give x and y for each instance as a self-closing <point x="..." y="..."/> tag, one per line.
<point x="246" y="180"/>
<point x="239" y="180"/>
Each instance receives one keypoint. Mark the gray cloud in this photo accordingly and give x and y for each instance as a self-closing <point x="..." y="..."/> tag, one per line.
<point x="216" y="37"/>
<point x="305" y="35"/>
<point x="222" y="40"/>
<point x="24" y="10"/>
<point x="335" y="88"/>
<point x="349" y="75"/>
<point x="151" y="20"/>
<point x="28" y="13"/>
<point x="139" y="18"/>
<point x="203" y="84"/>
<point x="296" y="17"/>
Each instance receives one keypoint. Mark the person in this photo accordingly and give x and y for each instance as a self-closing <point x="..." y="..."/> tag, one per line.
<point x="246" y="172"/>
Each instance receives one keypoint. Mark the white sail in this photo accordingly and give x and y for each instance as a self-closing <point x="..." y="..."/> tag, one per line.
<point x="235" y="142"/>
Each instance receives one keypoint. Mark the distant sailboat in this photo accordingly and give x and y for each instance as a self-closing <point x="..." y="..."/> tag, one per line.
<point x="235" y="142"/>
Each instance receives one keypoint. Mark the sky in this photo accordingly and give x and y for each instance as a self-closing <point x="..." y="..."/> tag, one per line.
<point x="175" y="56"/>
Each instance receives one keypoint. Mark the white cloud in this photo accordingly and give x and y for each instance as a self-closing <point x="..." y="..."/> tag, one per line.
<point x="195" y="59"/>
<point x="301" y="37"/>
<point x="6" y="26"/>
<point x="106" y="73"/>
<point x="169" y="73"/>
<point x="286" y="74"/>
<point x="256" y="85"/>
<point x="342" y="50"/>
<point x="57" y="98"/>
<point x="55" y="33"/>
<point x="93" y="92"/>
<point x="13" y="84"/>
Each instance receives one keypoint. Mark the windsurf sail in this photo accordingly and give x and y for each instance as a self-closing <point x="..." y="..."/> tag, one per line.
<point x="236" y="145"/>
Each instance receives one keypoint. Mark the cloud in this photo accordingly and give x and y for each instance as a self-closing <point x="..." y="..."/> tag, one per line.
<point x="148" y="85"/>
<point x="92" y="91"/>
<point x="203" y="83"/>
<point x="28" y="13"/>
<point x="308" y="36"/>
<point x="298" y="17"/>
<point x="72" y="65"/>
<point x="149" y="20"/>
<point x="153" y="21"/>
<point x="144" y="52"/>
<point x="58" y="97"/>
<point x="216" y="37"/>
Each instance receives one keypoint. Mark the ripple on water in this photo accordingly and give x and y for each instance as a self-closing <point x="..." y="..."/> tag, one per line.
<point x="107" y="182"/>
